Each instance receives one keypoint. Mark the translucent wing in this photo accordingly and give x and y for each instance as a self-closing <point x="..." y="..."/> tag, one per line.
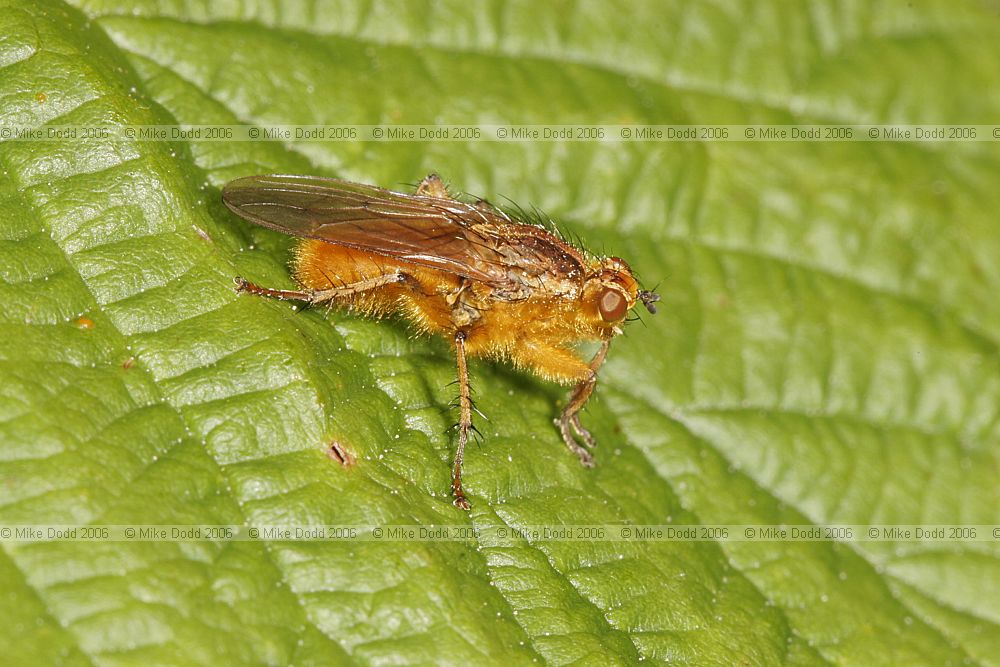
<point x="476" y="242"/>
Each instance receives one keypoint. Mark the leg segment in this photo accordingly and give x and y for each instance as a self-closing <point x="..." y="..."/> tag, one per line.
<point x="464" y="421"/>
<point x="570" y="417"/>
<point x="283" y="294"/>
<point x="316" y="297"/>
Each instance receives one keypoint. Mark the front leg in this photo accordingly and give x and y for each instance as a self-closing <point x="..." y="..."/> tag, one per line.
<point x="570" y="416"/>
<point x="561" y="365"/>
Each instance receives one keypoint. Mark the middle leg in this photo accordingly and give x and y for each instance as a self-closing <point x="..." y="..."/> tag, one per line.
<point x="464" y="421"/>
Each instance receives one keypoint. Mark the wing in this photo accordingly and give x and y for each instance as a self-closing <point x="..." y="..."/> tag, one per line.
<point x="447" y="234"/>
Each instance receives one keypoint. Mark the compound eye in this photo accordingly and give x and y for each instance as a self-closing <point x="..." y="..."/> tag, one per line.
<point x="612" y="305"/>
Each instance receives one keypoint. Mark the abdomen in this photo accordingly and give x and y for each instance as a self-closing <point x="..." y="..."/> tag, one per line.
<point x="319" y="265"/>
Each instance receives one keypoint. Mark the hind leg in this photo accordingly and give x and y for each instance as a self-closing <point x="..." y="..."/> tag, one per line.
<point x="316" y="297"/>
<point x="433" y="186"/>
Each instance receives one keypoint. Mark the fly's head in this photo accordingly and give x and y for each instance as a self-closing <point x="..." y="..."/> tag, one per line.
<point x="611" y="291"/>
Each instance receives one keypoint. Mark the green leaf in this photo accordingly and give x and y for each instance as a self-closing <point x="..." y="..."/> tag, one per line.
<point x="826" y="351"/>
